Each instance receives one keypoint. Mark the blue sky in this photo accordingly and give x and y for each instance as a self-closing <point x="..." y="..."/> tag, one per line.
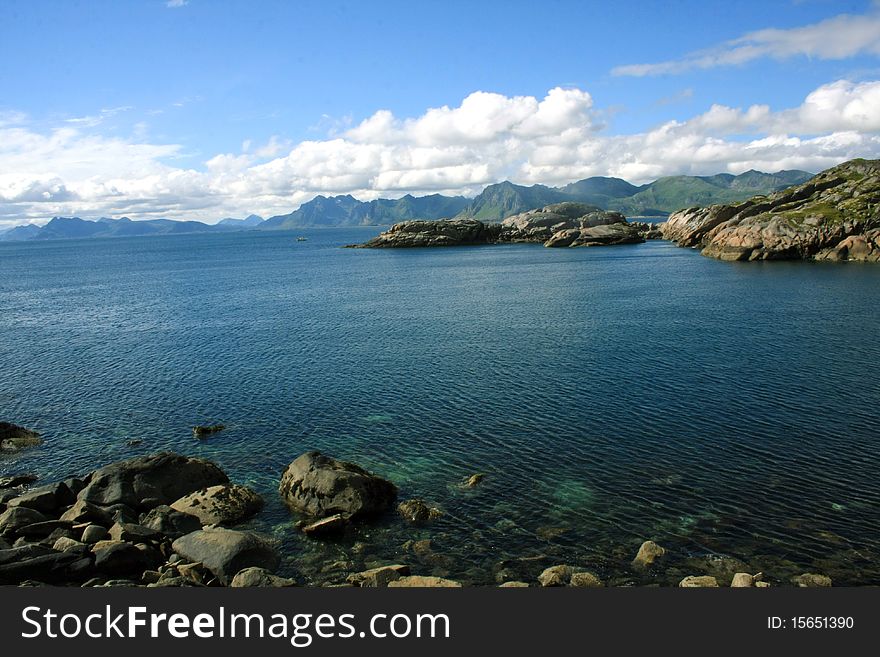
<point x="204" y="109"/>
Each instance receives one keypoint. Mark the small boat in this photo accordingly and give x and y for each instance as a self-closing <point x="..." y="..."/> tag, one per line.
<point x="301" y="239"/>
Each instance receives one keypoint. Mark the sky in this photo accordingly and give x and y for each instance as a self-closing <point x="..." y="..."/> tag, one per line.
<point x="205" y="109"/>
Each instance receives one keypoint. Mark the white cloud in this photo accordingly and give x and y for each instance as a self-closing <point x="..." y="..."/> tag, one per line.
<point x="74" y="170"/>
<point x="835" y="38"/>
<point x="174" y="4"/>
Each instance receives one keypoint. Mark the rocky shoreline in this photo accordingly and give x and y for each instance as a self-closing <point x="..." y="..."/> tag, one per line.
<point x="833" y="217"/>
<point x="566" y="224"/>
<point x="167" y="520"/>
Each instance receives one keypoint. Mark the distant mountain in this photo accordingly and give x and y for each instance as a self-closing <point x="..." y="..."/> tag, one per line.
<point x="74" y="227"/>
<point x="494" y="203"/>
<point x="658" y="198"/>
<point x="251" y="221"/>
<point x="348" y="211"/>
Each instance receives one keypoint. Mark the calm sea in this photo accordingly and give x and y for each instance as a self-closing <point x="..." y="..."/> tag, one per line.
<point x="609" y="395"/>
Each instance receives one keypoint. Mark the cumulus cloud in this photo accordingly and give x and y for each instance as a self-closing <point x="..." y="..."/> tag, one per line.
<point x="488" y="137"/>
<point x="835" y="38"/>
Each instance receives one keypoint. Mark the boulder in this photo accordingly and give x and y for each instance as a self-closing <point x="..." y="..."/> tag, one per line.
<point x="323" y="486"/>
<point x="50" y="568"/>
<point x="94" y="533"/>
<point x="66" y="544"/>
<point x="145" y="482"/>
<point x="418" y="512"/>
<point x="14" y="438"/>
<point x="24" y="552"/>
<point x="173" y="524"/>
<point x="378" y="577"/>
<point x="16" y="517"/>
<point x="809" y="580"/>
<point x="225" y="551"/>
<point x="224" y="504"/>
<point x="421" y="581"/>
<point x="43" y="529"/>
<point x="648" y="553"/>
<point x="83" y="511"/>
<point x="743" y="580"/>
<point x="259" y="577"/>
<point x="555" y="576"/>
<point x="585" y="580"/>
<point x="474" y="480"/>
<point x="118" y="558"/>
<point x="698" y="581"/>
<point x="123" y="531"/>
<point x="513" y="585"/>
<point x="45" y="499"/>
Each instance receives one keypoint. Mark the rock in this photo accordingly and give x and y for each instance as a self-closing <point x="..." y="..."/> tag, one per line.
<point x="742" y="581"/>
<point x="94" y="533"/>
<point x="14" y="518"/>
<point x="24" y="552"/>
<point x="809" y="580"/>
<point x="44" y="528"/>
<point x="123" y="531"/>
<point x="65" y="544"/>
<point x="259" y="577"/>
<point x="474" y="480"/>
<point x="334" y="524"/>
<point x="50" y="568"/>
<point x="322" y="486"/>
<point x="205" y="430"/>
<point x="513" y="585"/>
<point x="762" y="585"/>
<point x="444" y="232"/>
<point x="14" y="438"/>
<point x="145" y="482"/>
<point x="585" y="580"/>
<point x="122" y="513"/>
<point x="117" y="558"/>
<point x="41" y="499"/>
<point x="830" y="217"/>
<point x="224" y="504"/>
<point x="421" y="548"/>
<point x="194" y="572"/>
<point x="648" y="553"/>
<point x="698" y="581"/>
<point x="173" y="524"/>
<point x="555" y="576"/>
<point x="378" y="577"/>
<point x="83" y="511"/>
<point x="606" y="235"/>
<point x="565" y="221"/>
<point x="14" y="481"/>
<point x="418" y="512"/>
<point x="225" y="551"/>
<point x="420" y="581"/>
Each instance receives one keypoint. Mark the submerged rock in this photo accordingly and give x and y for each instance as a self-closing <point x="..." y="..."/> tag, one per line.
<point x="833" y="216"/>
<point x="322" y="486"/>
<point x="14" y="481"/>
<point x="14" y="438"/>
<point x="205" y="430"/>
<point x="418" y="512"/>
<point x="334" y="524"/>
<point x="474" y="480"/>
<point x="224" y="504"/>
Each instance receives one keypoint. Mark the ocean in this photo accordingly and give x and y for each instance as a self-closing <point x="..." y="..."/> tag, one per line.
<point x="728" y="411"/>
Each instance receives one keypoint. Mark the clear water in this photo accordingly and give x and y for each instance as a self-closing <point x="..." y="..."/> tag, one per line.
<point x="610" y="395"/>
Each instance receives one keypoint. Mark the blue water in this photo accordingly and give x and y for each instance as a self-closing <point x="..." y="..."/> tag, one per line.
<point x="610" y="395"/>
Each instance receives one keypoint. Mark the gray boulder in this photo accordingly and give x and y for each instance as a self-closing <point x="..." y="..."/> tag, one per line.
<point x="322" y="486"/>
<point x="225" y="551"/>
<point x="225" y="504"/>
<point x="173" y="524"/>
<point x="17" y="517"/>
<point x="145" y="482"/>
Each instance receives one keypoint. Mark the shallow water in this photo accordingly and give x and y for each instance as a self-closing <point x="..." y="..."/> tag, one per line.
<point x="609" y="395"/>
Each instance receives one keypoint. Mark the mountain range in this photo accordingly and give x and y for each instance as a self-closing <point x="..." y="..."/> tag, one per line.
<point x="494" y="203"/>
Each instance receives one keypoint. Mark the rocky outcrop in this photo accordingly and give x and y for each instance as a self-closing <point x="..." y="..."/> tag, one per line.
<point x="558" y="225"/>
<point x="14" y="438"/>
<point x="834" y="216"/>
<point x="322" y="486"/>
<point x="224" y="504"/>
<point x="452" y="232"/>
<point x="145" y="482"/>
